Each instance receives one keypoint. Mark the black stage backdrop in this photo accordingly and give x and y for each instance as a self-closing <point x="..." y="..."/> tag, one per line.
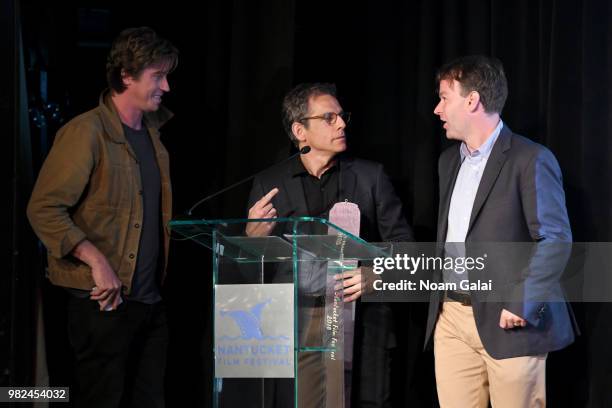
<point x="237" y="60"/>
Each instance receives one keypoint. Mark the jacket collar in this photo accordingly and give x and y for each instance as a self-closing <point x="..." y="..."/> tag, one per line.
<point x="110" y="118"/>
<point x="491" y="172"/>
<point x="348" y="178"/>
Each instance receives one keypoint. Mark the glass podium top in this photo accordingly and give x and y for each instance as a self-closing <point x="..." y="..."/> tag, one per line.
<point x="305" y="235"/>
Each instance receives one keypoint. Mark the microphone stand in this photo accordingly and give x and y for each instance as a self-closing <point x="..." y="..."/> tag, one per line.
<point x="303" y="150"/>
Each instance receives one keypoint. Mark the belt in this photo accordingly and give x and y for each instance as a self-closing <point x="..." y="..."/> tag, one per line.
<point x="461" y="297"/>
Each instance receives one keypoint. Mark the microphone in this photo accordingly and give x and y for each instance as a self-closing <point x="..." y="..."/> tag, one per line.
<point x="303" y="150"/>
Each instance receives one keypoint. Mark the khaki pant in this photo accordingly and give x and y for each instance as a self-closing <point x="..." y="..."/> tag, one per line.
<point x="467" y="376"/>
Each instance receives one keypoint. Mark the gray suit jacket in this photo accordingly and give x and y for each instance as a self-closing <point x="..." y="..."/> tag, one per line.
<point x="520" y="199"/>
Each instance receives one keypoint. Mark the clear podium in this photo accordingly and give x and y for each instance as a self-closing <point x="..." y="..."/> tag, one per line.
<point x="278" y="321"/>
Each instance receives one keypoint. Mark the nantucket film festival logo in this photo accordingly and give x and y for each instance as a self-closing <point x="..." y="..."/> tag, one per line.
<point x="249" y="322"/>
<point x="254" y="331"/>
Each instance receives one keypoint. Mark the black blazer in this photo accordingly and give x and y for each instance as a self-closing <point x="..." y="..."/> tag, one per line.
<point x="361" y="182"/>
<point x="520" y="199"/>
<point x="382" y="219"/>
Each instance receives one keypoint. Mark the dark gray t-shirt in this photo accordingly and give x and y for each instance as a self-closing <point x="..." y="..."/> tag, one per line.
<point x="145" y="284"/>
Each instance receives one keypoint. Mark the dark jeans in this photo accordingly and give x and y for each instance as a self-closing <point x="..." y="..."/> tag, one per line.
<point x="120" y="355"/>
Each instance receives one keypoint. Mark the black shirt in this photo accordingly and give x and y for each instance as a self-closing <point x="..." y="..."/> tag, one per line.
<point x="321" y="194"/>
<point x="145" y="286"/>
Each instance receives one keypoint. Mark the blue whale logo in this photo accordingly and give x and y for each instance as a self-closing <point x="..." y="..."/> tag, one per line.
<point x="249" y="321"/>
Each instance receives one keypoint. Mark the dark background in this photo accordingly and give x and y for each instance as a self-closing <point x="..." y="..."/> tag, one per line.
<point x="237" y="60"/>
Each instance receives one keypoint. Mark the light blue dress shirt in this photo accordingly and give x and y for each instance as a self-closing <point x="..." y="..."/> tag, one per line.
<point x="466" y="186"/>
<point x="462" y="199"/>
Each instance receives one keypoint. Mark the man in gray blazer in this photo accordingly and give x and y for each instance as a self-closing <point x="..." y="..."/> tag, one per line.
<point x="495" y="186"/>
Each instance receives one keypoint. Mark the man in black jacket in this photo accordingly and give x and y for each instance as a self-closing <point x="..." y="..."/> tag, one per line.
<point x="310" y="185"/>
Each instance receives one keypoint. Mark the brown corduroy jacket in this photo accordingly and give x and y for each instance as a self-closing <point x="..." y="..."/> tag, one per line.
<point x="90" y="188"/>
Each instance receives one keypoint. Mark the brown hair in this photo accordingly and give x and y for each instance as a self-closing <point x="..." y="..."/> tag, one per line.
<point x="479" y="73"/>
<point x="295" y="103"/>
<point x="134" y="50"/>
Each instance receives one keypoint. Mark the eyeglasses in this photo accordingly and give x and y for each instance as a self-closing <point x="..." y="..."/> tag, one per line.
<point x="331" y="117"/>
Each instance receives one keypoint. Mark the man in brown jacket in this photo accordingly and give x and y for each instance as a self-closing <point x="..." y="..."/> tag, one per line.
<point x="100" y="205"/>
